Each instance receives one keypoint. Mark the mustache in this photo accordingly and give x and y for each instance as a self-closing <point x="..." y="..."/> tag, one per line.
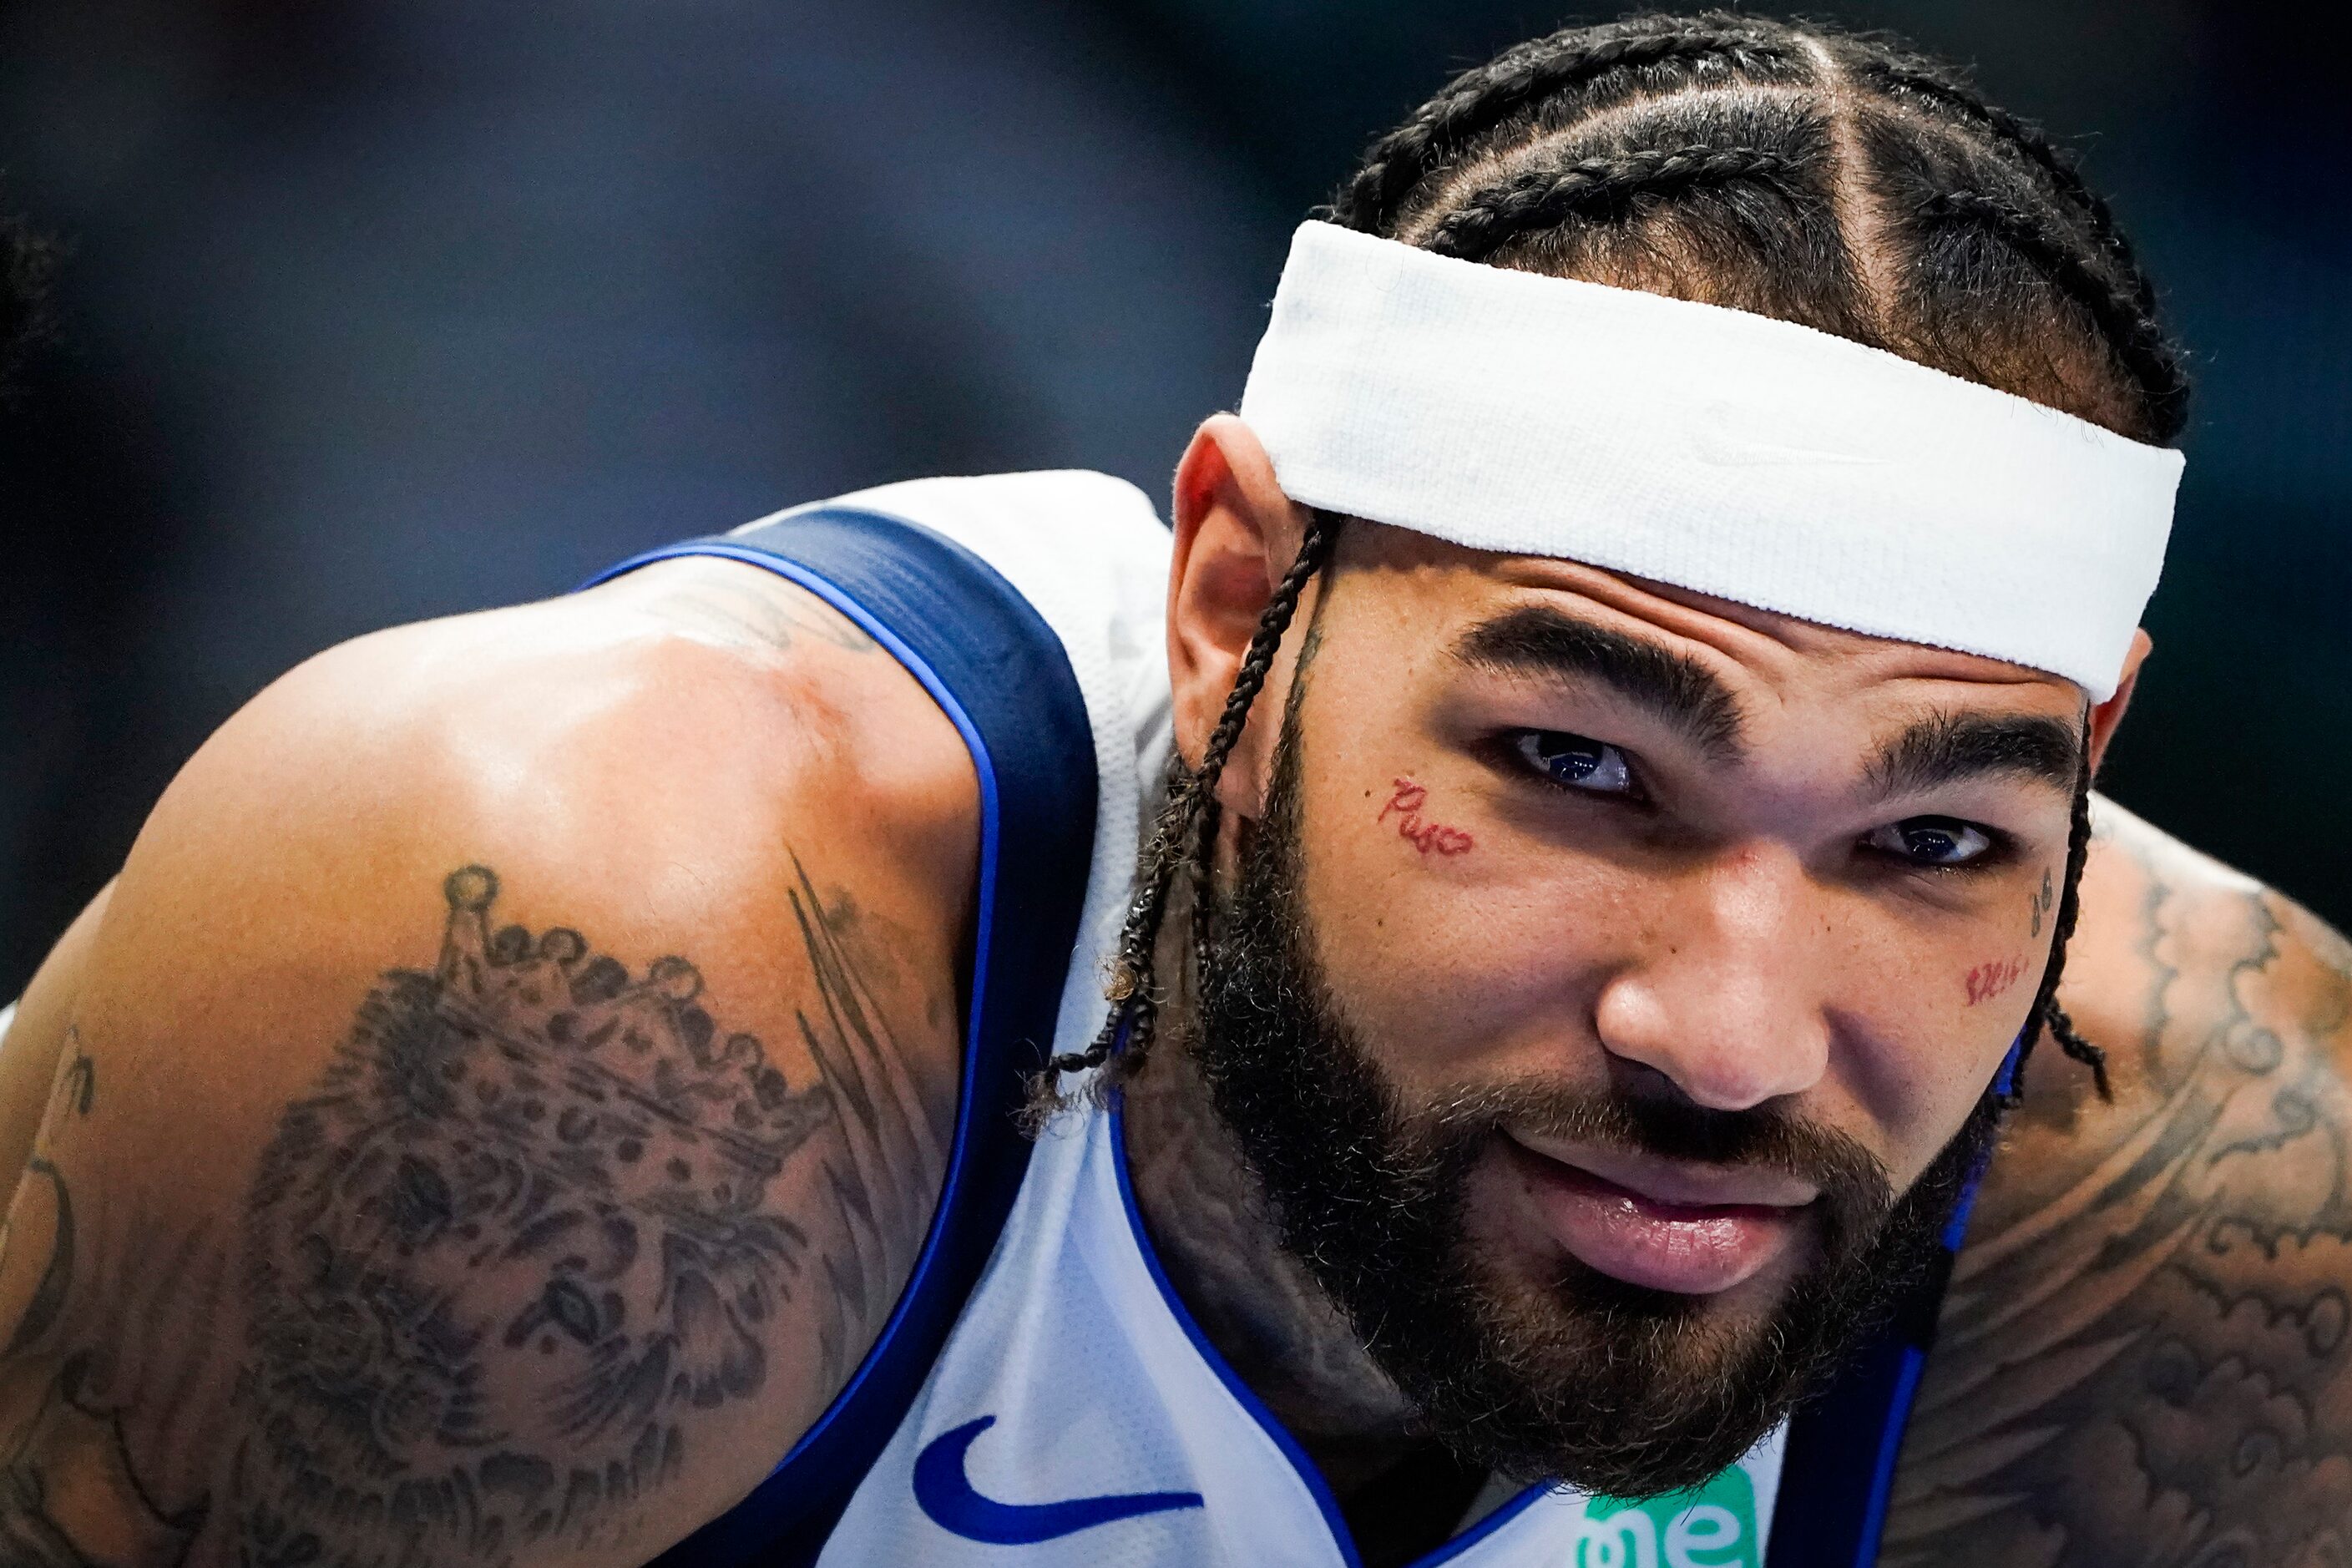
<point x="1857" y="1192"/>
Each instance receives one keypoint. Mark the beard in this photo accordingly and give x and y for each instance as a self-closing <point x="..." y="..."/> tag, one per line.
<point x="1615" y="1388"/>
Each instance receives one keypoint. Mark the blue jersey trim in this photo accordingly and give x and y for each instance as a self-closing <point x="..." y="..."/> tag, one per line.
<point x="999" y="673"/>
<point x="1890" y="1449"/>
<point x="1837" y="1473"/>
<point x="990" y="832"/>
<point x="1312" y="1477"/>
<point x="2004" y="1083"/>
<point x="1308" y="1474"/>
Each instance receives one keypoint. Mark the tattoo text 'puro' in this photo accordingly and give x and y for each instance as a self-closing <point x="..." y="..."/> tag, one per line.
<point x="1429" y="837"/>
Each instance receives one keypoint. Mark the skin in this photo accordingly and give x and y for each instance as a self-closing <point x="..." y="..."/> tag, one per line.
<point x="701" y="763"/>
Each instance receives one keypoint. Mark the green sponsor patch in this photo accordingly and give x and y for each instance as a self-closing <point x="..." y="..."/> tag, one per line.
<point x="1712" y="1527"/>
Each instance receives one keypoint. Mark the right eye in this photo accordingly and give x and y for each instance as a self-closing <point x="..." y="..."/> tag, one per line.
<point x="1933" y="843"/>
<point x="1577" y="762"/>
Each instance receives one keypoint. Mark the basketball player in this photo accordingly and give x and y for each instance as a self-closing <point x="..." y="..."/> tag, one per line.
<point x="549" y="1085"/>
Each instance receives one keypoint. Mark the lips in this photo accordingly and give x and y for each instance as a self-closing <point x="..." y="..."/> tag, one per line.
<point x="1691" y="1248"/>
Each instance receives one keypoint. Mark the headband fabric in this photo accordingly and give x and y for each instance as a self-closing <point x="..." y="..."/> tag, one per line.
<point x="1715" y="450"/>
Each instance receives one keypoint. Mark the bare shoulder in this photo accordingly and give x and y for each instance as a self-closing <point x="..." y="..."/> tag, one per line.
<point x="2144" y="1357"/>
<point x="500" y="1098"/>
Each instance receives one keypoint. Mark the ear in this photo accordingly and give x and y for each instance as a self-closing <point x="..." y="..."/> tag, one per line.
<point x="2106" y="715"/>
<point x="1237" y="534"/>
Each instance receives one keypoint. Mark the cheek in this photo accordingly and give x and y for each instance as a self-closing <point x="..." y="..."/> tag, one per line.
<point x="1456" y="958"/>
<point x="1923" y="1019"/>
<point x="1932" y="1116"/>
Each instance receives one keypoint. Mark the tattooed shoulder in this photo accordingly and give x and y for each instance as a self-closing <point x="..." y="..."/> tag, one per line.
<point x="2143" y="1357"/>
<point x="543" y="1231"/>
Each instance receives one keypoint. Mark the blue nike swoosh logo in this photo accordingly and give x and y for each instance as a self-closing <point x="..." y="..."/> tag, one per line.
<point x="946" y="1494"/>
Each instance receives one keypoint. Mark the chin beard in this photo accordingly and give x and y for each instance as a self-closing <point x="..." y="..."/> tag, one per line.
<point x="1615" y="1388"/>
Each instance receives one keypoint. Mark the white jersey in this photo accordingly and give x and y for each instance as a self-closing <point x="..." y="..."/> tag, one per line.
<point x="1076" y="1415"/>
<point x="1078" y="1412"/>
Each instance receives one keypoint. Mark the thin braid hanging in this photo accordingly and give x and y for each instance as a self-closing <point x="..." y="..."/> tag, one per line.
<point x="1184" y="823"/>
<point x="2048" y="1017"/>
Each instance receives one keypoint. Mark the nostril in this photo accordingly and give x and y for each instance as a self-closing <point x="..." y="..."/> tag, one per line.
<point x="1634" y="1080"/>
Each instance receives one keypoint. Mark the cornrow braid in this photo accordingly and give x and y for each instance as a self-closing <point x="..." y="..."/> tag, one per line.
<point x="1544" y="198"/>
<point x="2130" y="331"/>
<point x="1922" y="81"/>
<point x="2047" y="1017"/>
<point x="1179" y="838"/>
<point x="1482" y="99"/>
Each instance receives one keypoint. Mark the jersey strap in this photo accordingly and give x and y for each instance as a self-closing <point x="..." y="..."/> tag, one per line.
<point x="1001" y="675"/>
<point x="1838" y="1468"/>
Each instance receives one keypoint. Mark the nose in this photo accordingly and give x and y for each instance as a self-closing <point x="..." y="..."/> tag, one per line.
<point x="1723" y="994"/>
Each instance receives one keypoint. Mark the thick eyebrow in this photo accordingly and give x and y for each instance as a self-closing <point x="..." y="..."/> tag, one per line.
<point x="1943" y="747"/>
<point x="1538" y="641"/>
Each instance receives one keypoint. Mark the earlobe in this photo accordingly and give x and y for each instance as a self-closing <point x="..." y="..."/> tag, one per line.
<point x="1237" y="534"/>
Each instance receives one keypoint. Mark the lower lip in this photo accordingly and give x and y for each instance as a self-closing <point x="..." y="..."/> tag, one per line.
<point x="1690" y="1250"/>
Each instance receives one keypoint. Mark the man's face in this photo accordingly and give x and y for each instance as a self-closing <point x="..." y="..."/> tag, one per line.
<point x="1603" y="988"/>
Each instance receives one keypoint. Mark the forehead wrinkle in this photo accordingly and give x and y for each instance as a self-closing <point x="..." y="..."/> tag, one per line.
<point x="1946" y="746"/>
<point x="1542" y="642"/>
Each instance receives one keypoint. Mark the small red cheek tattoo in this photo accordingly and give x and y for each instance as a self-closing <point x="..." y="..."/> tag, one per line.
<point x="1429" y="837"/>
<point x="1986" y="981"/>
<point x="1407" y="800"/>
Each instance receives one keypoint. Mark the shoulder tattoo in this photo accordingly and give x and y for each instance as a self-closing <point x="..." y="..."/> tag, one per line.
<point x="531" y="1223"/>
<point x="2143" y="1357"/>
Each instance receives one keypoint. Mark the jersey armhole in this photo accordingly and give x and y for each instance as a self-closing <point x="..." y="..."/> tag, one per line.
<point x="1001" y="676"/>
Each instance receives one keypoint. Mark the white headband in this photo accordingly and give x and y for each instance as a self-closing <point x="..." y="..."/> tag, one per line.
<point x="1726" y="453"/>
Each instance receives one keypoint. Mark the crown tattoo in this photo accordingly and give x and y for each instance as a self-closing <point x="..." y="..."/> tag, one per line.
<point x="643" y="1038"/>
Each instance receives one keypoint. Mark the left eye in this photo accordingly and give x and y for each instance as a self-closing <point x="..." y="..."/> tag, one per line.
<point x="1930" y="841"/>
<point x="1575" y="762"/>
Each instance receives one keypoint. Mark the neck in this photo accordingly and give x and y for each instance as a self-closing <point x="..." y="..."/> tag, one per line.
<point x="1256" y="1303"/>
<point x="1208" y="1222"/>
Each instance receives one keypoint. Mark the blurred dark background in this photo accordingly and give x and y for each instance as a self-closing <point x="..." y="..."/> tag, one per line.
<point x="378" y="311"/>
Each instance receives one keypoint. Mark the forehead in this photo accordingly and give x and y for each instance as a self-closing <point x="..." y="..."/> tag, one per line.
<point x="1431" y="594"/>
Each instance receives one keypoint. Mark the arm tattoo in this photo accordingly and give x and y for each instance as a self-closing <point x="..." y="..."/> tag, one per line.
<point x="526" y="1228"/>
<point x="70" y="1493"/>
<point x="2143" y="1357"/>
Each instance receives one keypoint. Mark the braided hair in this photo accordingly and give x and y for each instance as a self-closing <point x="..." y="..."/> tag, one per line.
<point x="1798" y="170"/>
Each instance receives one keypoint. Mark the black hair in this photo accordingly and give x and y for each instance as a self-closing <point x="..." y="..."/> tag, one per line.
<point x="1834" y="179"/>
